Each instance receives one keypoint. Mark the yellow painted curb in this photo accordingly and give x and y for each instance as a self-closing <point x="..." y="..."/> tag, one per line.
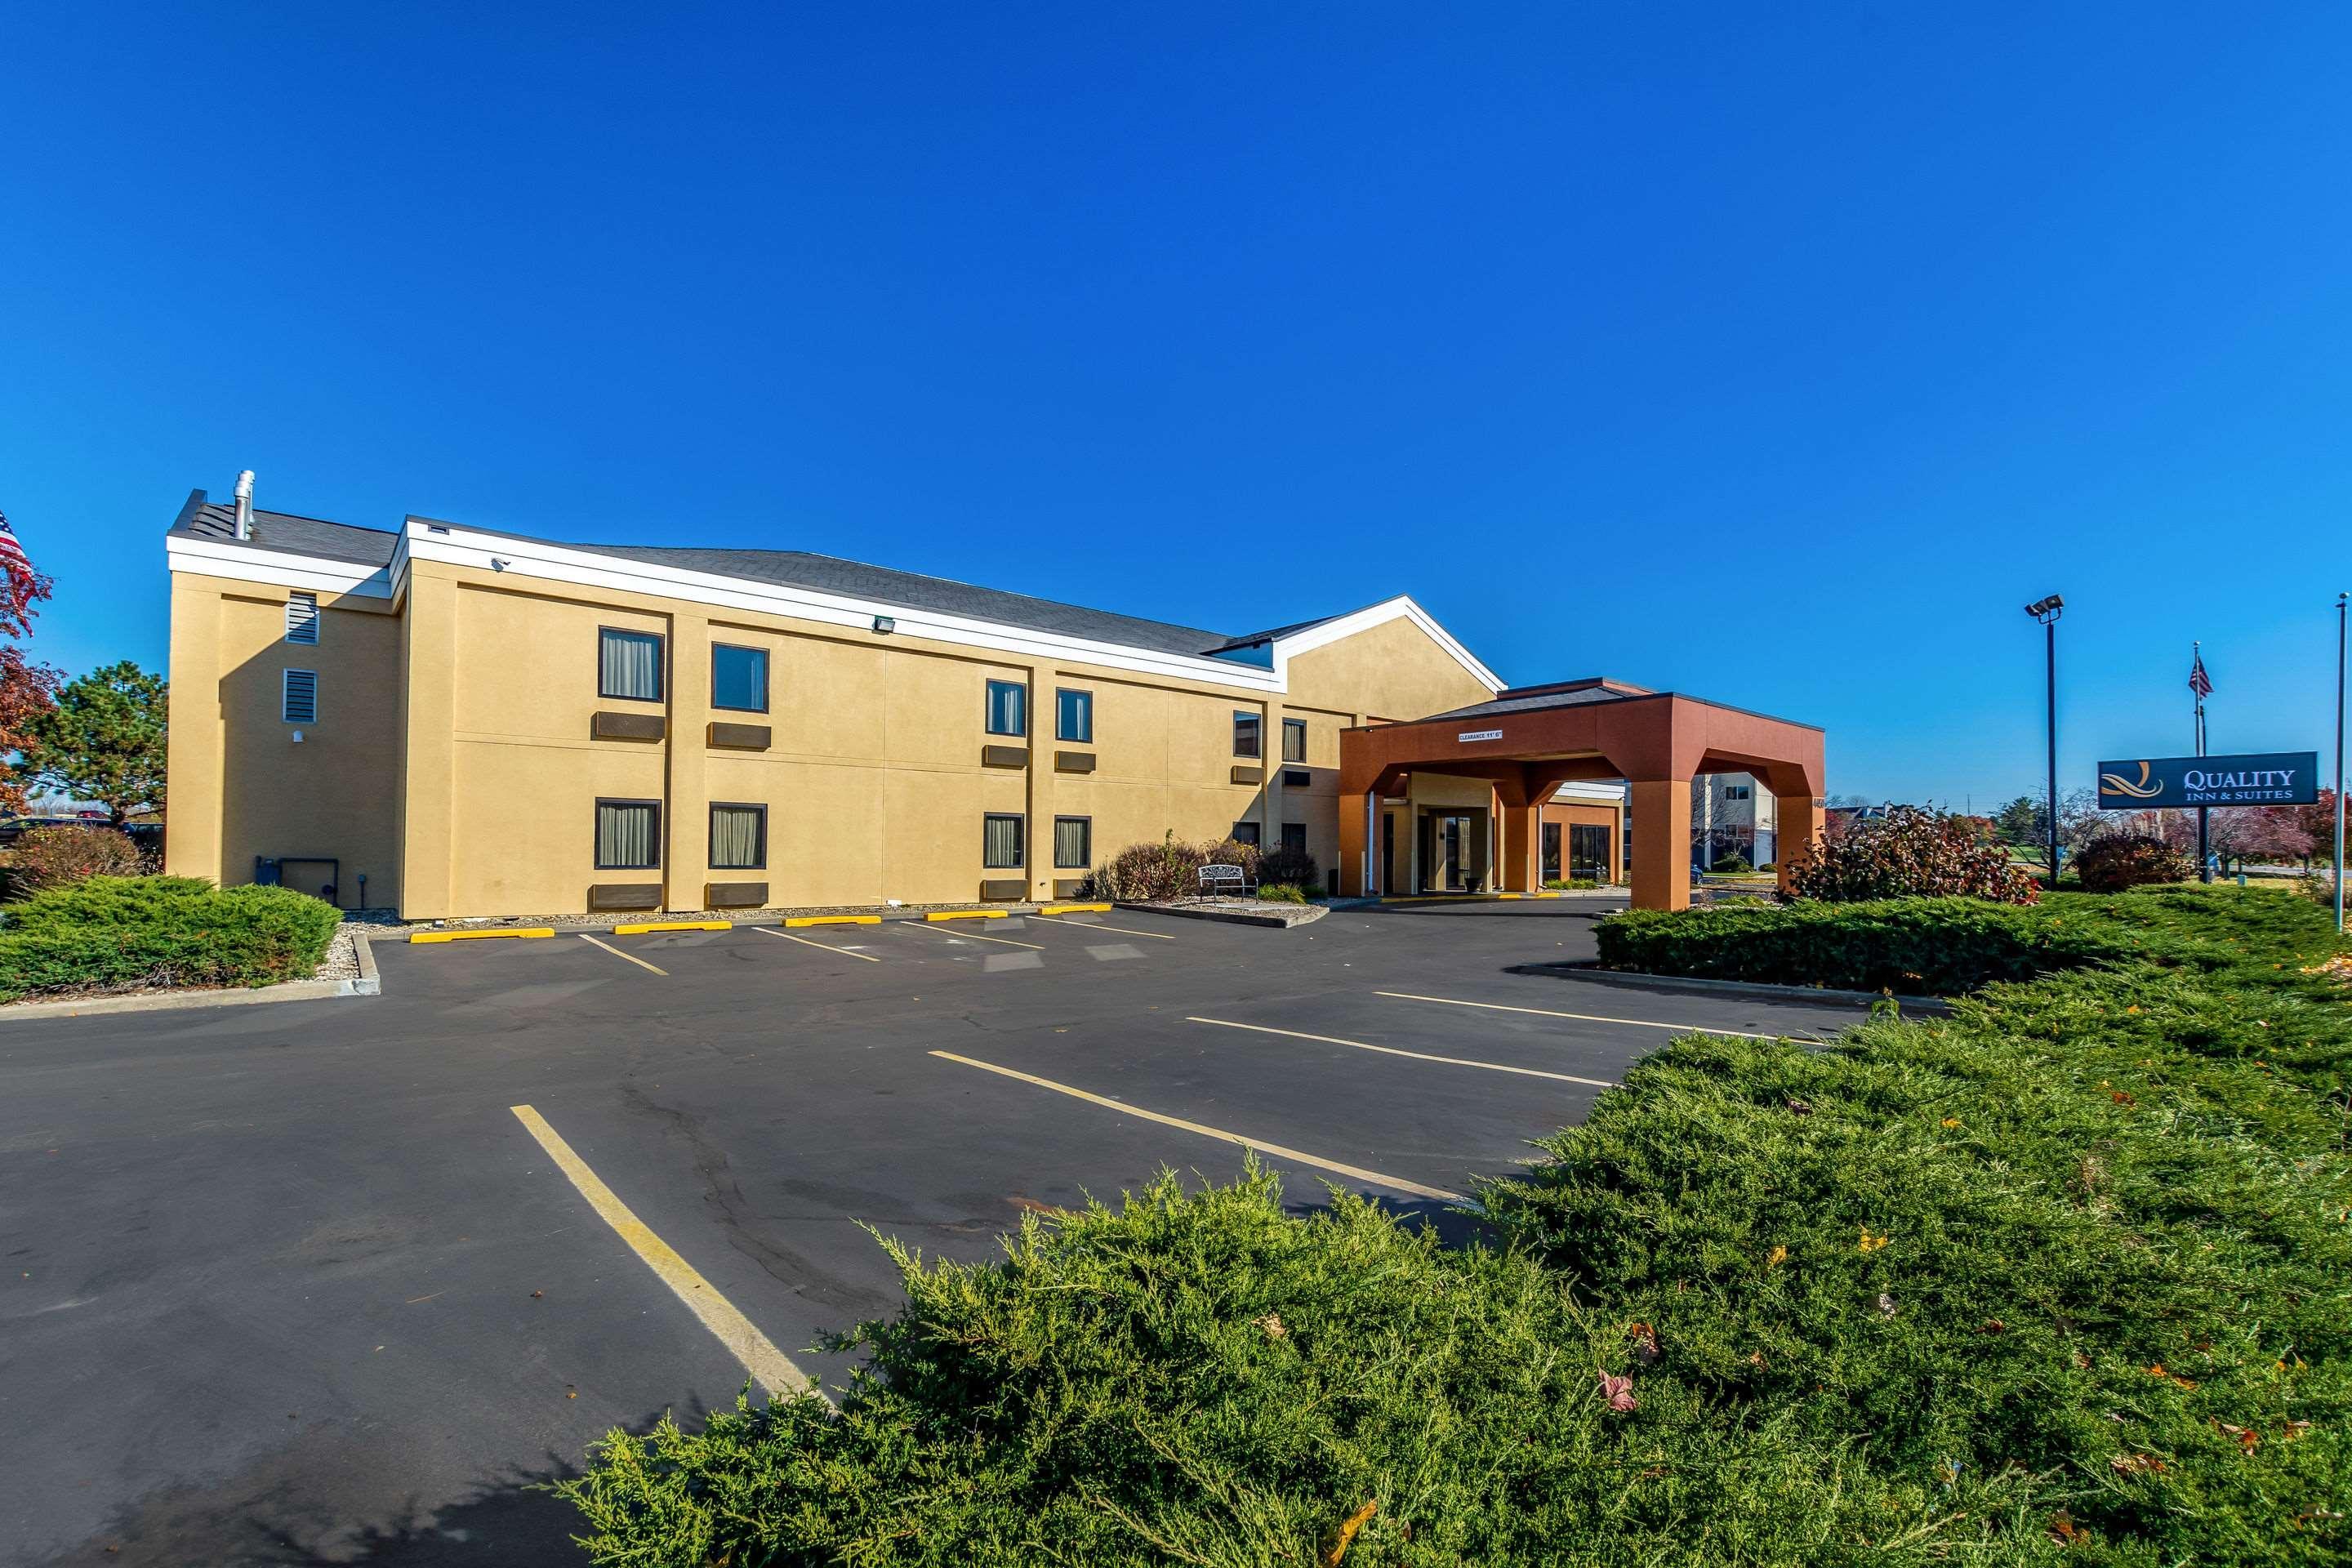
<point x="639" y="928"/>
<point x="965" y="915"/>
<point x="417" y="936"/>
<point x="1075" y="908"/>
<point x="797" y="922"/>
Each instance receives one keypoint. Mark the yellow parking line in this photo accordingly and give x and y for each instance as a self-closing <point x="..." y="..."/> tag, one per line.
<point x="773" y="1370"/>
<point x="1417" y="1055"/>
<point x="616" y="953"/>
<point x="797" y="922"/>
<point x="1123" y="931"/>
<point x="965" y="915"/>
<point x="1079" y="908"/>
<point x="973" y="935"/>
<point x="826" y="945"/>
<point x="639" y="928"/>
<point x="1354" y="1173"/>
<point x="1584" y="1017"/>
<point x="421" y="936"/>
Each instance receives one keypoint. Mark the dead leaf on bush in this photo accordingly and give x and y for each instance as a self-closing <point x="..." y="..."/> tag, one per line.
<point x="1645" y="1343"/>
<point x="2066" y="1531"/>
<point x="1347" y="1535"/>
<point x="1618" y="1391"/>
<point x="2136" y="1464"/>
<point x="1272" y="1324"/>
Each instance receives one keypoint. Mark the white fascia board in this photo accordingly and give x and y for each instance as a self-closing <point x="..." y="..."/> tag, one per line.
<point x="243" y="563"/>
<point x="1400" y="608"/>
<point x="1584" y="789"/>
<point x="458" y="546"/>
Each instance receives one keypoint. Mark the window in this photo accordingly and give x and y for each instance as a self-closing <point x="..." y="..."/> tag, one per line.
<point x="1551" y="850"/>
<point x="738" y="838"/>
<point x="1736" y="792"/>
<point x="1294" y="739"/>
<point x="1000" y="841"/>
<point x="1008" y="708"/>
<point x="1245" y="734"/>
<point x="739" y="678"/>
<point x="1244" y="833"/>
<point x="1074" y="715"/>
<point x="302" y="618"/>
<point x="298" y="704"/>
<point x="628" y="835"/>
<point x="1074" y="842"/>
<point x="1296" y="778"/>
<point x="629" y="664"/>
<point x="1294" y="837"/>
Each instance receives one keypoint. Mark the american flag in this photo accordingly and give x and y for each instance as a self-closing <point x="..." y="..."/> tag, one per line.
<point x="2198" y="681"/>
<point x="11" y="554"/>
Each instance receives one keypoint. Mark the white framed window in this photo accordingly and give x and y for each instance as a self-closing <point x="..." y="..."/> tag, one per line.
<point x="302" y="618"/>
<point x="299" y="701"/>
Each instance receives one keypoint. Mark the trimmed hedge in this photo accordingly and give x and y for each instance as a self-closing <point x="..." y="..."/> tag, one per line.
<point x="1932" y="946"/>
<point x="109" y="932"/>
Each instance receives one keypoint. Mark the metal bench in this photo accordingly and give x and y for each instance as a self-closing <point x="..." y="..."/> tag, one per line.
<point x="1224" y="879"/>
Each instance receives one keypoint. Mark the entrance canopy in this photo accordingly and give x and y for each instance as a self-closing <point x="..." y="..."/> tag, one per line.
<point x="1531" y="739"/>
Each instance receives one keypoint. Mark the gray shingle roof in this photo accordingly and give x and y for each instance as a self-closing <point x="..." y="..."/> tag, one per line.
<point x="1561" y="694"/>
<point x="280" y="531"/>
<point x="914" y="590"/>
<point x="205" y="519"/>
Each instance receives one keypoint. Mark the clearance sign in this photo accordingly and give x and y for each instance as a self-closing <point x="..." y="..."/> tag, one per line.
<point x="2258" y="778"/>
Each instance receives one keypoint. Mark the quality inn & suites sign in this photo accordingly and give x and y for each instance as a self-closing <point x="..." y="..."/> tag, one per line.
<point x="2255" y="778"/>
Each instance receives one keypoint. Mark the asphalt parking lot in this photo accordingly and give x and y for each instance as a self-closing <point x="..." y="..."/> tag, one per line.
<point x="306" y="1282"/>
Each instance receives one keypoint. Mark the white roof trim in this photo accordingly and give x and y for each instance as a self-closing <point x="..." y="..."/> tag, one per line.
<point x="244" y="563"/>
<point x="459" y="546"/>
<point x="453" y="544"/>
<point x="1401" y="607"/>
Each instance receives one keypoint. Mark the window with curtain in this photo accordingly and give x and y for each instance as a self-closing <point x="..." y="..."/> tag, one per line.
<point x="1000" y="843"/>
<point x="628" y="835"/>
<point x="629" y="664"/>
<point x="1294" y="837"/>
<point x="1074" y="842"/>
<point x="1294" y="739"/>
<point x="1244" y="833"/>
<point x="739" y="678"/>
<point x="1008" y="708"/>
<point x="738" y="838"/>
<point x="1245" y="744"/>
<point x="1074" y="715"/>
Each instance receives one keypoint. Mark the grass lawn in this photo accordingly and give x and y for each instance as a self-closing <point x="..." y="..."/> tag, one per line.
<point x="2062" y="1278"/>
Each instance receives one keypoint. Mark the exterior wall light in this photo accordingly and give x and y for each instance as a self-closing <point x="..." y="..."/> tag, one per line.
<point x="884" y="624"/>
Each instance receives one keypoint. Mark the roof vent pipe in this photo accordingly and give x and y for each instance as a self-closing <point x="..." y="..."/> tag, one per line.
<point x="245" y="504"/>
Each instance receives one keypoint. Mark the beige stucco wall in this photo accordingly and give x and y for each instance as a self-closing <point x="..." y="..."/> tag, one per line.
<point x="471" y="788"/>
<point x="242" y="787"/>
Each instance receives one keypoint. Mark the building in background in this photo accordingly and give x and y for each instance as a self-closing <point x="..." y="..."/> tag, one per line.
<point x="1731" y="816"/>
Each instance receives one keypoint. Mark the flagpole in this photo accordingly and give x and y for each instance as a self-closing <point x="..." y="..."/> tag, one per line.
<point x="2341" y="600"/>
<point x="2204" y="838"/>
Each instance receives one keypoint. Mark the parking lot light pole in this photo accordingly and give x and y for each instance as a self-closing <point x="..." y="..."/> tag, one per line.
<point x="2047" y="612"/>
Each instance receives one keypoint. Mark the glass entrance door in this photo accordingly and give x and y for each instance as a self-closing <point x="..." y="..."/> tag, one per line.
<point x="1451" y="851"/>
<point x="1588" y="850"/>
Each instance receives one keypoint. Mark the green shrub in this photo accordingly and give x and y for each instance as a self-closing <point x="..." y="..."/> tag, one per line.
<point x="46" y="858"/>
<point x="1146" y="873"/>
<point x="121" y="932"/>
<point x="2124" y="860"/>
<point x="1564" y="884"/>
<point x="1293" y="866"/>
<point x="2060" y="1278"/>
<point x="1908" y="853"/>
<point x="1282" y="892"/>
<point x="1937" y="946"/>
<point x="1731" y="864"/>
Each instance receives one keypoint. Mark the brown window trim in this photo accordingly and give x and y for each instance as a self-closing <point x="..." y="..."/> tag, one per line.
<point x="1257" y="752"/>
<point x="767" y="678"/>
<point x="661" y="664"/>
<point x="988" y="817"/>
<point x="1075" y="866"/>
<point x="604" y="800"/>
<point x="1300" y="726"/>
<point x="710" y="857"/>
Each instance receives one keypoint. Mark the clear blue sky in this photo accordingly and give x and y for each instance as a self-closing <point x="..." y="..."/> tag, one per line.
<point x="1777" y="360"/>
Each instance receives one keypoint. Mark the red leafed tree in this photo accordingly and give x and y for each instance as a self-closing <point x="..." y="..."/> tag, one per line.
<point x="24" y="687"/>
<point x="2262" y="834"/>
